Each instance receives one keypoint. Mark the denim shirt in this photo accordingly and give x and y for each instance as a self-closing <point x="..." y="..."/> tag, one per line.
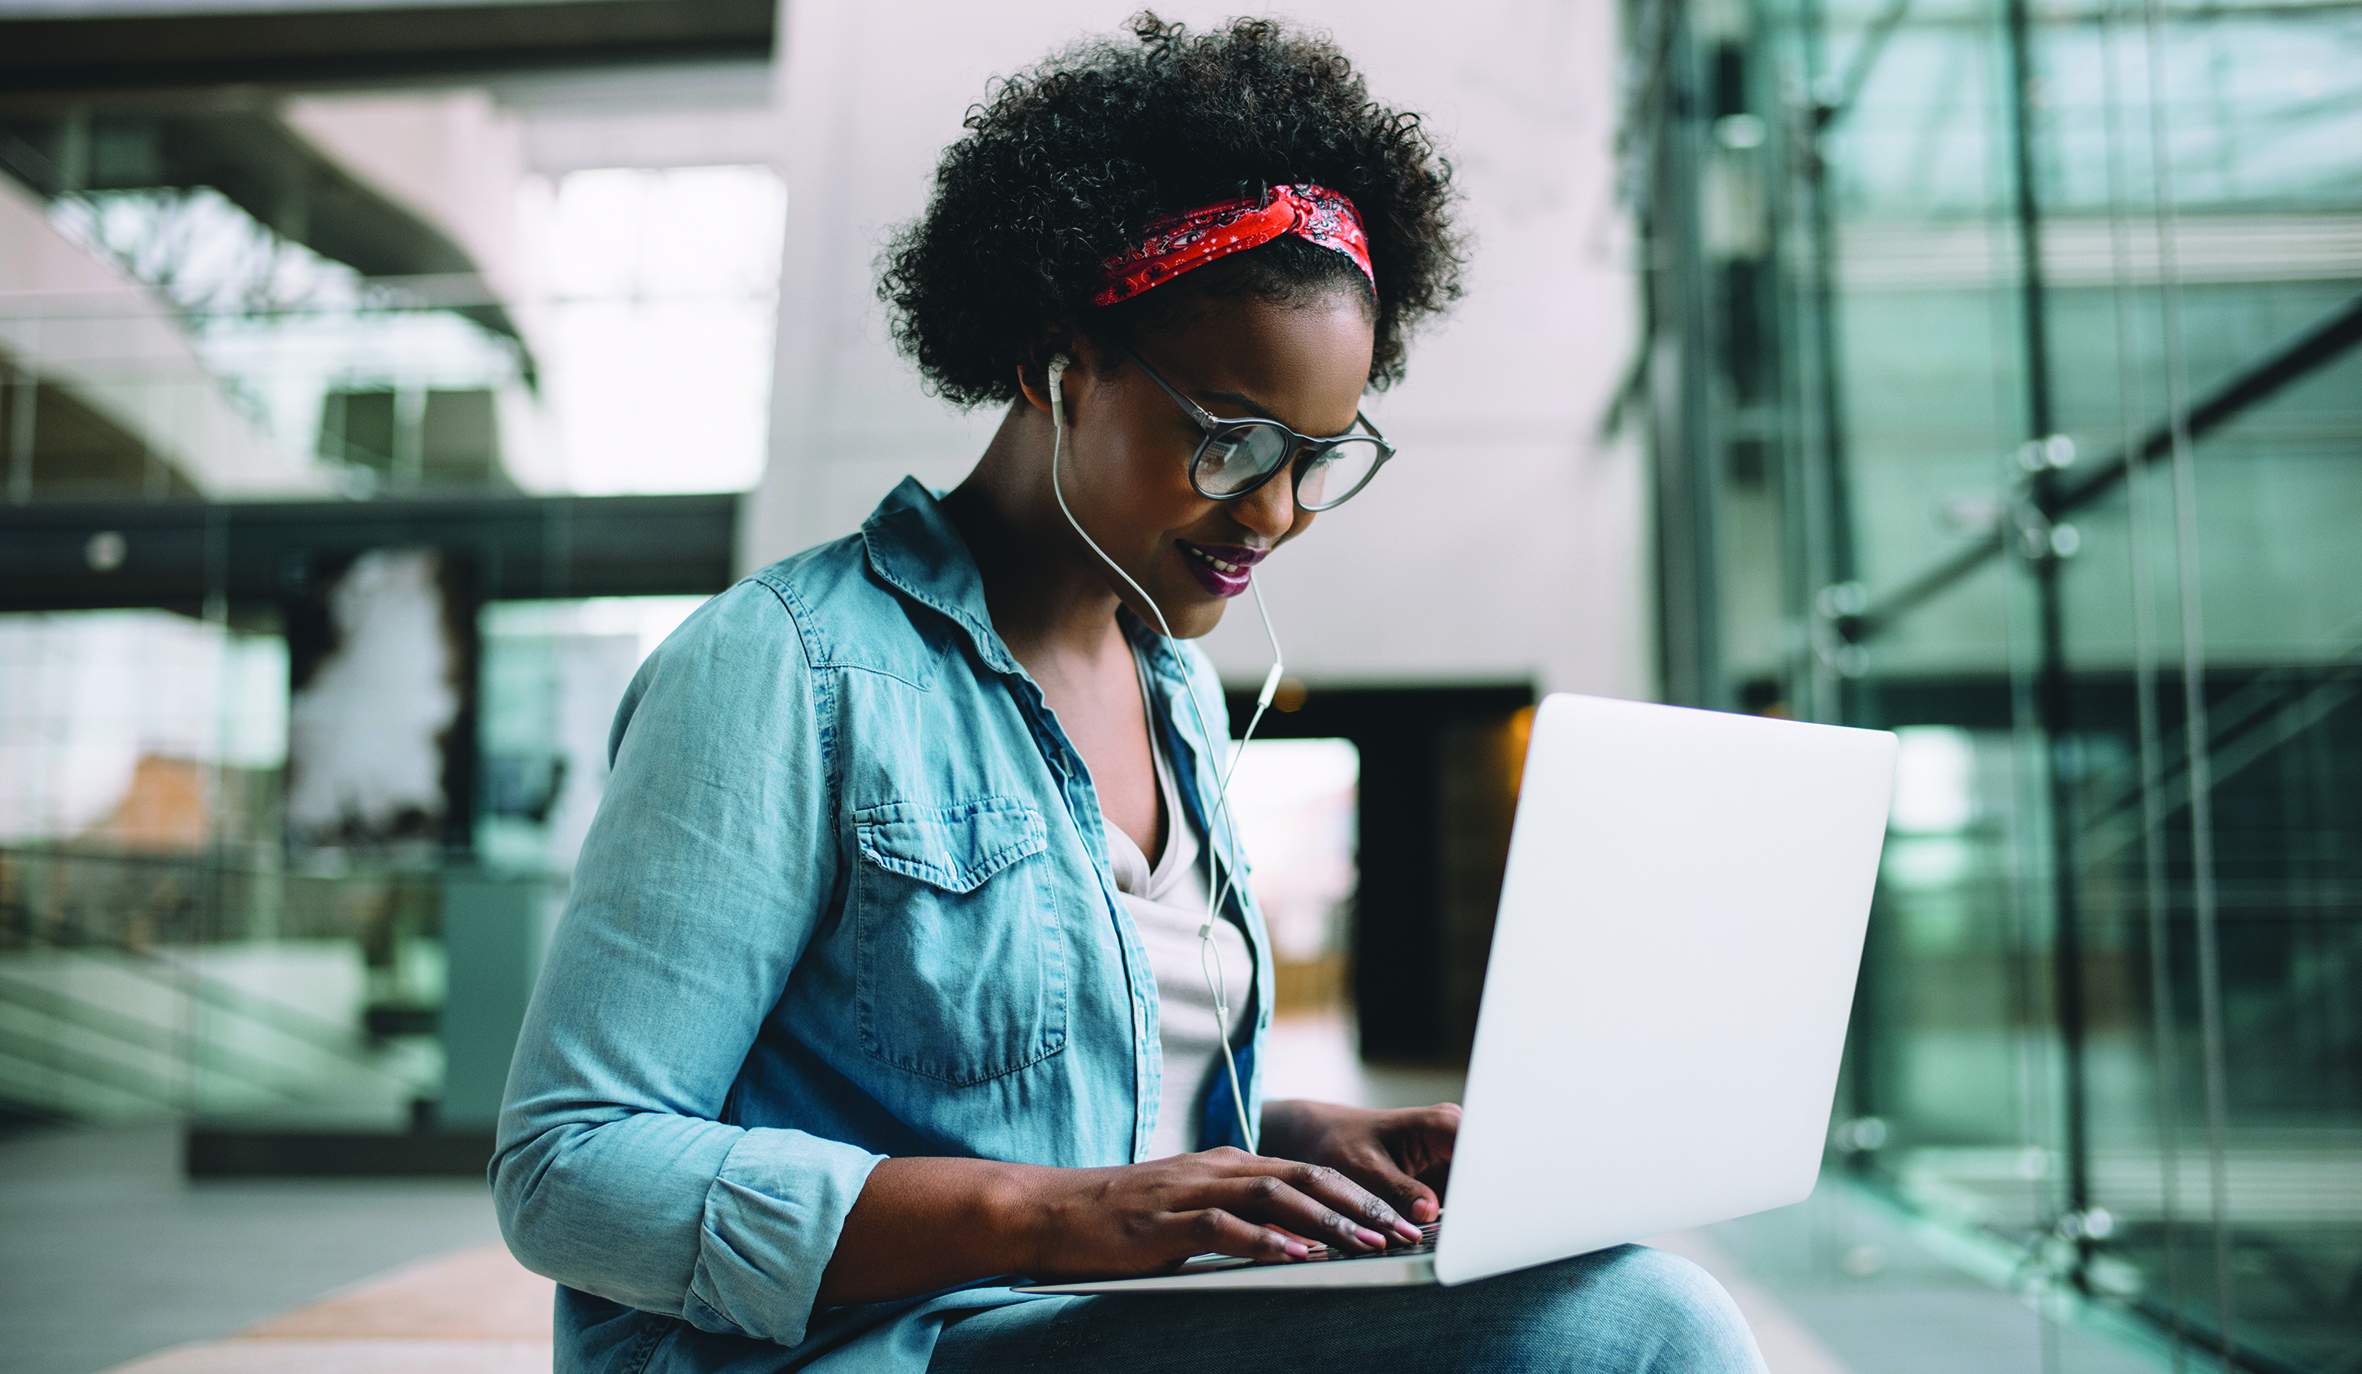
<point x="847" y="897"/>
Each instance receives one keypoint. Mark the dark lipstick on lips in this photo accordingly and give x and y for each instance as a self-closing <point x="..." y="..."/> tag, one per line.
<point x="1222" y="569"/>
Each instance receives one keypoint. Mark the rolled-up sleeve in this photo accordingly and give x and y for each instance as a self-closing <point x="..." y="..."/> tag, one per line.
<point x="701" y="881"/>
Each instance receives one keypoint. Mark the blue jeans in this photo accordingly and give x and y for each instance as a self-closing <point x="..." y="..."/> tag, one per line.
<point x="1620" y="1311"/>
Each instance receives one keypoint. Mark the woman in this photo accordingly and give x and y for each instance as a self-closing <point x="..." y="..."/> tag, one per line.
<point x="884" y="978"/>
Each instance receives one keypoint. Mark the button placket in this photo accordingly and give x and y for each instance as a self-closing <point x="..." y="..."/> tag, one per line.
<point x="1075" y="790"/>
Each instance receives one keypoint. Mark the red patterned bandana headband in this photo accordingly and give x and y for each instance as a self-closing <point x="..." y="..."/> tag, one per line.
<point x="1182" y="243"/>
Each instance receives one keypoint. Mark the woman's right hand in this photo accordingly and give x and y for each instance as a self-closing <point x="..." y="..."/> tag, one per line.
<point x="1147" y="1218"/>
<point x="924" y="1225"/>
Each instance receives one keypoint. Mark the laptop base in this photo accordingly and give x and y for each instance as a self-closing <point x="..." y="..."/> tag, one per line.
<point x="1378" y="1271"/>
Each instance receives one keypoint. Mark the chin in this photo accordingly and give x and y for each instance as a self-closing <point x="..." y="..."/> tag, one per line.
<point x="1192" y="614"/>
<point x="1196" y="622"/>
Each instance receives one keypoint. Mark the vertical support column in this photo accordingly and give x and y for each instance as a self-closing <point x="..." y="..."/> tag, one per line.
<point x="23" y="402"/>
<point x="1824" y="490"/>
<point x="461" y="573"/>
<point x="2053" y="687"/>
<point x="493" y="934"/>
<point x="1685" y="446"/>
<point x="409" y="455"/>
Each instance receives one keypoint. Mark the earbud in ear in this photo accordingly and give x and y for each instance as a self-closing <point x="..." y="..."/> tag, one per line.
<point x="1058" y="365"/>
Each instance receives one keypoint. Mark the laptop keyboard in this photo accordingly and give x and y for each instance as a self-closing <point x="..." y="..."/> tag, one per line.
<point x="1324" y="1254"/>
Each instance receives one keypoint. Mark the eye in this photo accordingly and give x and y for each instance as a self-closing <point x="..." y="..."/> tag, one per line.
<point x="1336" y="473"/>
<point x="1230" y="456"/>
<point x="1235" y="457"/>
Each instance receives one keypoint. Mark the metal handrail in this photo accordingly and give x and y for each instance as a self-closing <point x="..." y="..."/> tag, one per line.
<point x="317" y="1032"/>
<point x="2308" y="352"/>
<point x="179" y="1046"/>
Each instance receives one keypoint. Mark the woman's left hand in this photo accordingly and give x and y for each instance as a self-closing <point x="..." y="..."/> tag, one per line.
<point x="1402" y="1156"/>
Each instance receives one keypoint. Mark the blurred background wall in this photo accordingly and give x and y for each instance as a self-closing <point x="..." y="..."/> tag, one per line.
<point x="1513" y="546"/>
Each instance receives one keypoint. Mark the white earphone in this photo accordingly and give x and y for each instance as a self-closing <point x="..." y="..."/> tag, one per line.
<point x="1209" y="959"/>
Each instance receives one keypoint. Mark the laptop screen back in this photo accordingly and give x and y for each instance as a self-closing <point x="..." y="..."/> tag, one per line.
<point x="1671" y="972"/>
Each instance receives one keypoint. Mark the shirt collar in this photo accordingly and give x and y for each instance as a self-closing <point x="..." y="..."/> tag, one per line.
<point x="914" y="546"/>
<point x="1164" y="664"/>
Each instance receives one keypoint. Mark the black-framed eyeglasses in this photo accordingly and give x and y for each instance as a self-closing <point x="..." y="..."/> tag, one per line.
<point x="1238" y="456"/>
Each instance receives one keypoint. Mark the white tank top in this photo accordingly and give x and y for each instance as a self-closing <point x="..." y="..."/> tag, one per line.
<point x="1167" y="903"/>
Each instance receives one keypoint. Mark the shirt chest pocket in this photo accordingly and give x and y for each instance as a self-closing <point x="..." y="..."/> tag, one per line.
<point x="960" y="962"/>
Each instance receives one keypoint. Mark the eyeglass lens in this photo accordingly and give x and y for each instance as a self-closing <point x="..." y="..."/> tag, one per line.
<point x="1234" y="459"/>
<point x="1337" y="473"/>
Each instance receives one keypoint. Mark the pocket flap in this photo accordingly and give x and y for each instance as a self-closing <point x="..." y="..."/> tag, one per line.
<point x="951" y="847"/>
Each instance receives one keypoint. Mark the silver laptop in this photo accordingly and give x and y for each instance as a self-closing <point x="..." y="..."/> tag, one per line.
<point x="1666" y="1000"/>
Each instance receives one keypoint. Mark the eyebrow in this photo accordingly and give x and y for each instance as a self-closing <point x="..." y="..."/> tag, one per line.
<point x="1237" y="399"/>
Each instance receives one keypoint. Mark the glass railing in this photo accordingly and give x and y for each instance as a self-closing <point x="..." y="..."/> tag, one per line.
<point x="163" y="343"/>
<point x="244" y="996"/>
<point x="143" y="985"/>
<point x="399" y="388"/>
<point x="204" y="917"/>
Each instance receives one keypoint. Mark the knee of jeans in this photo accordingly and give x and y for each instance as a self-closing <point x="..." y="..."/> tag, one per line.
<point x="1681" y="1314"/>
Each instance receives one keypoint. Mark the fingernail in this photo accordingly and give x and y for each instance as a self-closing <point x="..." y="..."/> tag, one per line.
<point x="1297" y="1249"/>
<point x="1407" y="1231"/>
<point x="1370" y="1238"/>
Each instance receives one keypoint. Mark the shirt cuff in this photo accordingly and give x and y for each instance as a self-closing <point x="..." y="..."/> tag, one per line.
<point x="771" y="1223"/>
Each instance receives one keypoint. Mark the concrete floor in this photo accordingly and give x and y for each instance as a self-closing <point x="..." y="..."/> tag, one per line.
<point x="1833" y="1285"/>
<point x="473" y="1311"/>
<point x="1879" y="1300"/>
<point x="108" y="1253"/>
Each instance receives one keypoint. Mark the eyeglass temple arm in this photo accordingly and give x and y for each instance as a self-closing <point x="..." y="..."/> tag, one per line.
<point x="1209" y="422"/>
<point x="1206" y="419"/>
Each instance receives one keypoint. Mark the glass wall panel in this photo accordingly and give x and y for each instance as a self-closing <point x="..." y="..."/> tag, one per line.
<point x="357" y="447"/>
<point x="2024" y="414"/>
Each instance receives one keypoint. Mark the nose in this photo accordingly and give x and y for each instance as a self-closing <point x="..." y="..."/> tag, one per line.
<point x="1269" y="510"/>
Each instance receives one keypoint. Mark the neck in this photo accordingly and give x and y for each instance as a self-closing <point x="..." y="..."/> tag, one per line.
<point x="1048" y="593"/>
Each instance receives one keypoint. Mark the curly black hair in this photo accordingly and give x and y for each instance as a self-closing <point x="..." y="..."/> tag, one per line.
<point x="1069" y="162"/>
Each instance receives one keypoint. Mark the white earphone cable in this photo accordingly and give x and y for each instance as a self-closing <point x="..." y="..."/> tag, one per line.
<point x="1263" y="698"/>
<point x="1209" y="958"/>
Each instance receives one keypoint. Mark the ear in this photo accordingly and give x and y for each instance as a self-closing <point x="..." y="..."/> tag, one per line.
<point x="1033" y="372"/>
<point x="1033" y="384"/>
